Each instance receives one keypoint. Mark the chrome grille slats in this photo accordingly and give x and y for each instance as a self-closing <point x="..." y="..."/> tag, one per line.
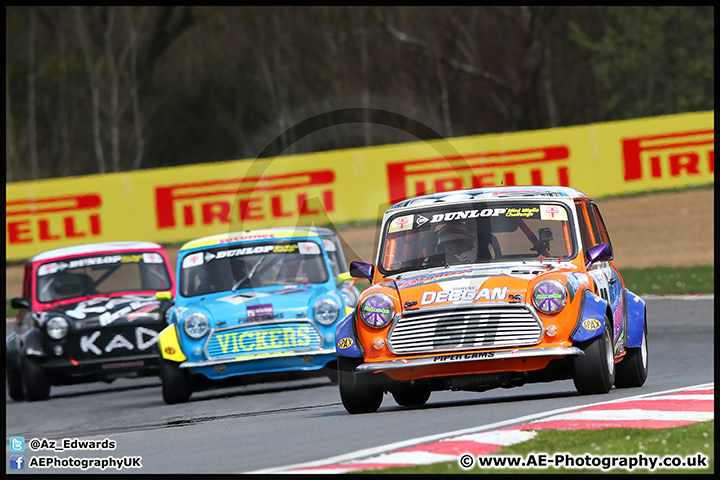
<point x="479" y="326"/>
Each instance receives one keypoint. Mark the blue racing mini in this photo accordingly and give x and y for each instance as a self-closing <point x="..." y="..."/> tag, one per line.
<point x="253" y="302"/>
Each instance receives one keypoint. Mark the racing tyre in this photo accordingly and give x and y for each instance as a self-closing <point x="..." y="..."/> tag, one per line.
<point x="176" y="382"/>
<point x="34" y="380"/>
<point x="360" y="393"/>
<point x="633" y="370"/>
<point x="594" y="372"/>
<point x="411" y="396"/>
<point x="14" y="382"/>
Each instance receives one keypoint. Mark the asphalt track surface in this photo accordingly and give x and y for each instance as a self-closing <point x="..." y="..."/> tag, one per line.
<point x="262" y="426"/>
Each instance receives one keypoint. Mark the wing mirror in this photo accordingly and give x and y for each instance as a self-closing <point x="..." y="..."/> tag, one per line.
<point x="601" y="252"/>
<point x="362" y="270"/>
<point x="19" y="303"/>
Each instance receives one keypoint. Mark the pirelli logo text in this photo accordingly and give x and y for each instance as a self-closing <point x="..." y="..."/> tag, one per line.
<point x="51" y="219"/>
<point x="534" y="166"/>
<point x="222" y="201"/>
<point x="680" y="154"/>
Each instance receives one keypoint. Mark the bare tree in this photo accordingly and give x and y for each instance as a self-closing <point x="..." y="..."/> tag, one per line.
<point x="11" y="153"/>
<point x="92" y="64"/>
<point x="32" y="126"/>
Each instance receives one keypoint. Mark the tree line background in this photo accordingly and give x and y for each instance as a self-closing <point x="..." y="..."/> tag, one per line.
<point x="108" y="89"/>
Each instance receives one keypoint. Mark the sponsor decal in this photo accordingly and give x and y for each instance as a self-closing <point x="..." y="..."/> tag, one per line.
<point x="104" y="306"/>
<point x="247" y="237"/>
<point x="50" y="268"/>
<point x="462" y="215"/>
<point x="464" y="356"/>
<point x="424" y="279"/>
<point x="256" y="313"/>
<point x="344" y="343"/>
<point x="152" y="257"/>
<point x="141" y="312"/>
<point x="420" y="220"/>
<point x="285" y="248"/>
<point x="464" y="295"/>
<point x="401" y="223"/>
<point x="192" y="260"/>
<point x="144" y="339"/>
<point x="260" y="249"/>
<point x="522" y="212"/>
<point x="308" y="248"/>
<point x="91" y="261"/>
<point x="247" y="341"/>
<point x="552" y="212"/>
<point x="329" y="245"/>
<point x="591" y="324"/>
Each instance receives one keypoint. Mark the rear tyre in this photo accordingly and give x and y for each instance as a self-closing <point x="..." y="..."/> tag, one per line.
<point x="632" y="371"/>
<point x="176" y="382"/>
<point x="411" y="396"/>
<point x="34" y="380"/>
<point x="594" y="372"/>
<point x="359" y="392"/>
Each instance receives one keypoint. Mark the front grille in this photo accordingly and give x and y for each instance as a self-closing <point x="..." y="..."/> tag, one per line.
<point x="263" y="339"/>
<point x="495" y="325"/>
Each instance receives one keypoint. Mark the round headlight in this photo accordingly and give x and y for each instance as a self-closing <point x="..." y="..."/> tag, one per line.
<point x="549" y="296"/>
<point x="350" y="295"/>
<point x="57" y="328"/>
<point x="377" y="310"/>
<point x="196" y="325"/>
<point x="326" y="311"/>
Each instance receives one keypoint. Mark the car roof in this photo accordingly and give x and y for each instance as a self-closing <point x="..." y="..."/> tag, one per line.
<point x="492" y="193"/>
<point x="271" y="233"/>
<point x="90" y="248"/>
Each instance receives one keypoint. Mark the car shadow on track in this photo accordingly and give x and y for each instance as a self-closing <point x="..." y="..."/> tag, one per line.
<point x="388" y="406"/>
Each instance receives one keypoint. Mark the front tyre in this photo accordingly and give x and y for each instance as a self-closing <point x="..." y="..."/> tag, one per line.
<point x="34" y="379"/>
<point x="14" y="381"/>
<point x="360" y="393"/>
<point x="594" y="372"/>
<point x="633" y="370"/>
<point x="176" y="382"/>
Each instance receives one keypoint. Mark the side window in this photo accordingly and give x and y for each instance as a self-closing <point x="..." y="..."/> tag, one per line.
<point x="599" y="230"/>
<point x="584" y="234"/>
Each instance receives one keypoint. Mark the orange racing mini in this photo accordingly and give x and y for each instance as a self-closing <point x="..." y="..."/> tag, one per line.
<point x="490" y="287"/>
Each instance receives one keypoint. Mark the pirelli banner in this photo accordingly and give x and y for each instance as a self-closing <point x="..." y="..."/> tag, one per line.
<point x="176" y="204"/>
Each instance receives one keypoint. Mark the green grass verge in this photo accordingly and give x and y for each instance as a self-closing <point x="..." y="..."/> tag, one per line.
<point x="683" y="443"/>
<point x="670" y="280"/>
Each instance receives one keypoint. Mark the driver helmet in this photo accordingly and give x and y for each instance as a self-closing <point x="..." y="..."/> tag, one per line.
<point x="458" y="245"/>
<point x="67" y="285"/>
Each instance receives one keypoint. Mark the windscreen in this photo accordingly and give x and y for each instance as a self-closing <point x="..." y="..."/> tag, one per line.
<point x="477" y="233"/>
<point x="102" y="275"/>
<point x="256" y="265"/>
